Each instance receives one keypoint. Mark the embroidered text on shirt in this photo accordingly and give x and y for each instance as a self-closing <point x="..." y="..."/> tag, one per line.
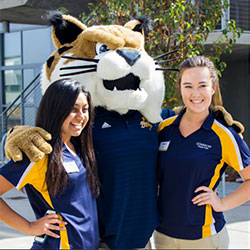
<point x="203" y="145"/>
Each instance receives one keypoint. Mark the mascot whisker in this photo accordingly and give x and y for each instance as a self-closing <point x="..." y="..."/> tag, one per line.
<point x="93" y="67"/>
<point x="127" y="89"/>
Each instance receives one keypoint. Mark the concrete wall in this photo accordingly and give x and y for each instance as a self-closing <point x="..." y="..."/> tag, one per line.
<point x="235" y="85"/>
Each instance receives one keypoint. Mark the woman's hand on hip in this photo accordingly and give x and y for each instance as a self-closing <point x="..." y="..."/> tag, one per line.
<point x="47" y="223"/>
<point x="209" y="197"/>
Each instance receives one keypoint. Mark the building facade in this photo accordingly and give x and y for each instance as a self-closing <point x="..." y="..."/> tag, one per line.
<point x="24" y="48"/>
<point x="25" y="44"/>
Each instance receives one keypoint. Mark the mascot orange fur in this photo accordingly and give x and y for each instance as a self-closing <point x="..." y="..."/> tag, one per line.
<point x="127" y="88"/>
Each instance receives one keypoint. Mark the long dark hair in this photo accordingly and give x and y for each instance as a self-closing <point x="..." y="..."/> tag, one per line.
<point x="55" y="106"/>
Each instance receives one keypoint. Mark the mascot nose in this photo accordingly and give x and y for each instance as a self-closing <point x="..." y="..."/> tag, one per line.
<point x="131" y="56"/>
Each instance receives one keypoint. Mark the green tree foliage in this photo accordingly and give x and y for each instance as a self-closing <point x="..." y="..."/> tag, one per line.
<point x="182" y="25"/>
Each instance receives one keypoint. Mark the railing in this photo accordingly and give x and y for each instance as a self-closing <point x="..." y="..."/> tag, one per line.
<point x="21" y="111"/>
<point x="240" y="12"/>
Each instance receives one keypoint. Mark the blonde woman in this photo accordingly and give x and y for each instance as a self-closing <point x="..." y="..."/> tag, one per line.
<point x="194" y="150"/>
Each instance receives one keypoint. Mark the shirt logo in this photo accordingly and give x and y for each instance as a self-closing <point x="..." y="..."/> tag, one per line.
<point x="203" y="145"/>
<point x="164" y="145"/>
<point x="106" y="125"/>
<point x="145" y="124"/>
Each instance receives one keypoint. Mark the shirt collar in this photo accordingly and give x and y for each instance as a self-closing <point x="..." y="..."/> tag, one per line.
<point x="209" y="121"/>
<point x="207" y="124"/>
<point x="66" y="150"/>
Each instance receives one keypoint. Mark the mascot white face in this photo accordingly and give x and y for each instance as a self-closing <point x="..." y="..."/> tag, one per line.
<point x="111" y="63"/>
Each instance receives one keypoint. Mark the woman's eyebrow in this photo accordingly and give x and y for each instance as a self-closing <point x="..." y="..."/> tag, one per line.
<point x="200" y="82"/>
<point x="86" y="104"/>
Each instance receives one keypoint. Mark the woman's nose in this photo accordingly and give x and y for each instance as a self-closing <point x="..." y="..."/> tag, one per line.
<point x="80" y="114"/>
<point x="196" y="92"/>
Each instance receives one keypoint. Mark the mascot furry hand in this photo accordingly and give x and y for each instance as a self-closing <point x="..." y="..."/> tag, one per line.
<point x="28" y="139"/>
<point x="127" y="90"/>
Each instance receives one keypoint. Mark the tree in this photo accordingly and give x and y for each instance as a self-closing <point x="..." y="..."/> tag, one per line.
<point x="182" y="25"/>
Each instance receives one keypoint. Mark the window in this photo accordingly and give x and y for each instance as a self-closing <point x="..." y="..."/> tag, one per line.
<point x="239" y="11"/>
<point x="12" y="57"/>
<point x="12" y="49"/>
<point x="13" y="85"/>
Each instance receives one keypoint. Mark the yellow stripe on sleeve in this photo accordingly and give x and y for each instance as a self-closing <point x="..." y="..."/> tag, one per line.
<point x="26" y="177"/>
<point x="230" y="150"/>
<point x="206" y="228"/>
<point x="166" y="123"/>
<point x="230" y="155"/>
<point x="35" y="175"/>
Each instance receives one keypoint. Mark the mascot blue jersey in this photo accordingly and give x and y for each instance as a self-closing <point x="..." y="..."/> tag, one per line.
<point x="127" y="206"/>
<point x="127" y="89"/>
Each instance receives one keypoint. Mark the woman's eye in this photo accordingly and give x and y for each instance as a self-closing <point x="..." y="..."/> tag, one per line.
<point x="203" y="85"/>
<point x="101" y="48"/>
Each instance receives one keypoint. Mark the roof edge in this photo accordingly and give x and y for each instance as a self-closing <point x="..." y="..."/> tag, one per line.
<point x="6" y="4"/>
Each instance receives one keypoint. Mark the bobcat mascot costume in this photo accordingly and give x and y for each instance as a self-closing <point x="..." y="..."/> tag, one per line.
<point x="127" y="90"/>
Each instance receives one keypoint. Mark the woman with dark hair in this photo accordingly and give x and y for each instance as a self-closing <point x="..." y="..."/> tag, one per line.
<point x="64" y="183"/>
<point x="194" y="151"/>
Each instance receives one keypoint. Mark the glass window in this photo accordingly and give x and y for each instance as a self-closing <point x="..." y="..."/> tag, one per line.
<point x="31" y="98"/>
<point x="13" y="84"/>
<point x="12" y="49"/>
<point x="36" y="45"/>
<point x="239" y="11"/>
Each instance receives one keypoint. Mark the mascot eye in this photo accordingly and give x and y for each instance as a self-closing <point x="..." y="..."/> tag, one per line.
<point x="100" y="48"/>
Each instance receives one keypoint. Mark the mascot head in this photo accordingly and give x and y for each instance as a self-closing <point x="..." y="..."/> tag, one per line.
<point x="110" y="61"/>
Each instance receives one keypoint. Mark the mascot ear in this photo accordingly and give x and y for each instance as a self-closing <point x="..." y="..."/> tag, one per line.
<point x="65" y="28"/>
<point x="141" y="24"/>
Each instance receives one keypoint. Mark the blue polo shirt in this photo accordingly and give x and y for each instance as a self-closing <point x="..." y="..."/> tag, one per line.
<point x="76" y="205"/>
<point x="126" y="149"/>
<point x="187" y="163"/>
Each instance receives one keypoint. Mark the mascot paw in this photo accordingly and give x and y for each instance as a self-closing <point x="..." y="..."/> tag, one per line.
<point x="221" y="114"/>
<point x="178" y="109"/>
<point x="28" y="140"/>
